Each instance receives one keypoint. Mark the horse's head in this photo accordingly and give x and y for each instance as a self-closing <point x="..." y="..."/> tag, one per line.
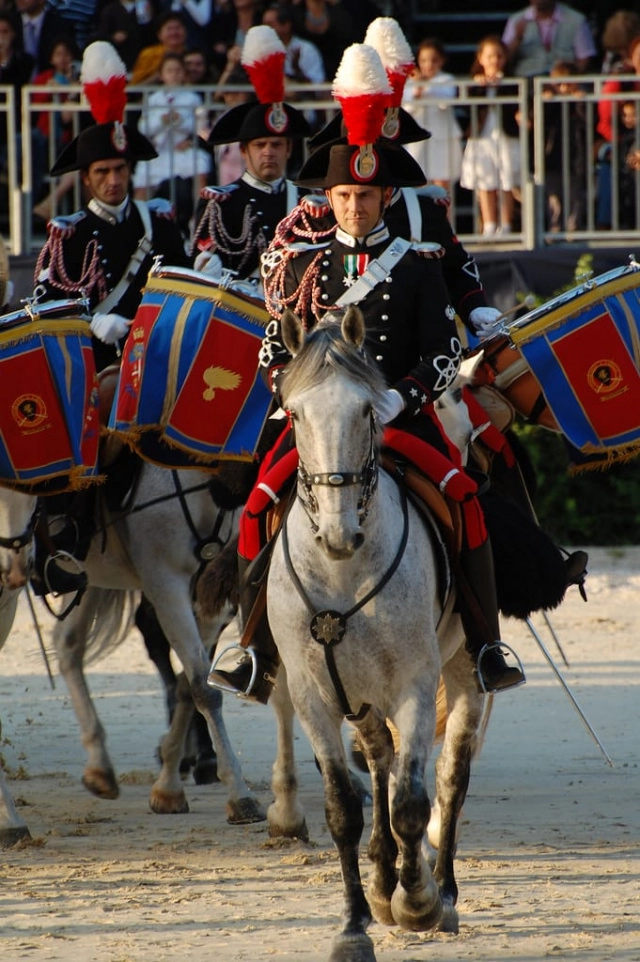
<point x="17" y="522"/>
<point x="329" y="391"/>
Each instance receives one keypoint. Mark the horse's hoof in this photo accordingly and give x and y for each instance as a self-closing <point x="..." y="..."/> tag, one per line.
<point x="101" y="783"/>
<point x="243" y="811"/>
<point x="417" y="912"/>
<point x="352" y="948"/>
<point x="449" y="920"/>
<point x="11" y="836"/>
<point x="381" y="908"/>
<point x="279" y="831"/>
<point x="205" y="771"/>
<point x="168" y="803"/>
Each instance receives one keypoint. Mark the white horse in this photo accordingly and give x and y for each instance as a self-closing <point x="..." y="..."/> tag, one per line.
<point x="17" y="521"/>
<point x="174" y="521"/>
<point x="364" y="631"/>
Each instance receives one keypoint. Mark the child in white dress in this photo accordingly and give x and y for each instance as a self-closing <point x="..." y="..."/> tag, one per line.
<point x="170" y="123"/>
<point x="491" y="159"/>
<point x="440" y="157"/>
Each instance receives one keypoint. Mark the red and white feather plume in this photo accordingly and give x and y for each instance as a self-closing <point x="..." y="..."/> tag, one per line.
<point x="104" y="81"/>
<point x="263" y="57"/>
<point x="386" y="37"/>
<point x="363" y="90"/>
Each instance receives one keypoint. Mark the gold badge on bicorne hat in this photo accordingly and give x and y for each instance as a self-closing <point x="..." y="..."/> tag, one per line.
<point x="386" y="37"/>
<point x="362" y="89"/>
<point x="263" y="56"/>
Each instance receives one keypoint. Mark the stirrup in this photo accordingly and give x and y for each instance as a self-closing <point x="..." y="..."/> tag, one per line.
<point x="516" y="670"/>
<point x="245" y="679"/>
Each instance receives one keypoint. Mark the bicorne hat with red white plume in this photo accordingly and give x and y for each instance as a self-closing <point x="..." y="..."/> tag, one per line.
<point x="104" y="81"/>
<point x="362" y="88"/>
<point x="263" y="57"/>
<point x="386" y="37"/>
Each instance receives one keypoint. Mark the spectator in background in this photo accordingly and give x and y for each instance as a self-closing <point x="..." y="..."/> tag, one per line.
<point x="565" y="142"/>
<point x="56" y="129"/>
<point x="169" y="122"/>
<point x="229" y="159"/>
<point x="79" y="17"/>
<point x="619" y="29"/>
<point x="491" y="159"/>
<point x="303" y="62"/>
<point x="196" y="16"/>
<point x="441" y="156"/>
<point x="128" y="26"/>
<point x="230" y="27"/>
<point x="328" y="26"/>
<point x="39" y="26"/>
<point x="542" y="34"/>
<point x="198" y="70"/>
<point x="172" y="38"/>
<point x="629" y="164"/>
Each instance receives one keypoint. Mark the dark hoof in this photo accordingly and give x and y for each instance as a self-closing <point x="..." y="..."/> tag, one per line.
<point x="244" y="811"/>
<point x="102" y="784"/>
<point x="11" y="836"/>
<point x="205" y="771"/>
<point x="352" y="948"/>
<point x="301" y="832"/>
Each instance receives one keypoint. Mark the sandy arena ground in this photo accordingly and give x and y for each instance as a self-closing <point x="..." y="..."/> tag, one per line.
<point x="548" y="861"/>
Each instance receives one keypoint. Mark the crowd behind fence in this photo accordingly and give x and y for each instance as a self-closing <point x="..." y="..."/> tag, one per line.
<point x="570" y="186"/>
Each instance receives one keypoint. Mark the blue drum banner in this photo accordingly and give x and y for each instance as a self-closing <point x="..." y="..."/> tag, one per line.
<point x="49" y="421"/>
<point x="189" y="391"/>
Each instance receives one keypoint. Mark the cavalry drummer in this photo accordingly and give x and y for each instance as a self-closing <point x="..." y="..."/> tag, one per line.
<point x="239" y="219"/>
<point x="411" y="334"/>
<point x="105" y="250"/>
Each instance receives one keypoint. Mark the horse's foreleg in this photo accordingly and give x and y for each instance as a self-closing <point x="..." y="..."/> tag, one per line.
<point x="376" y="744"/>
<point x="173" y="608"/>
<point x="70" y="638"/>
<point x="452" y="779"/>
<point x="12" y="828"/>
<point x="416" y="903"/>
<point x="285" y="814"/>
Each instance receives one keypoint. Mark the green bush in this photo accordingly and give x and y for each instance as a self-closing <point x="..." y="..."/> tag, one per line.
<point x="588" y="508"/>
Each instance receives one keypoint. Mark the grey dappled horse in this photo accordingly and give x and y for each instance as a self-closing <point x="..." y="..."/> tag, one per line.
<point x="355" y="610"/>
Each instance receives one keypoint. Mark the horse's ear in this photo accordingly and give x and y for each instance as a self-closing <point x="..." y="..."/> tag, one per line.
<point x="292" y="332"/>
<point x="353" y="329"/>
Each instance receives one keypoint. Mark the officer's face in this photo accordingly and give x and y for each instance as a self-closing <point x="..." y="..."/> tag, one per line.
<point x="108" y="180"/>
<point x="267" y="157"/>
<point x="358" y="208"/>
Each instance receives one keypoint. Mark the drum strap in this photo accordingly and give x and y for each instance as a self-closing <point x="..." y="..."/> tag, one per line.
<point x="144" y="248"/>
<point x="376" y="272"/>
<point x="414" y="212"/>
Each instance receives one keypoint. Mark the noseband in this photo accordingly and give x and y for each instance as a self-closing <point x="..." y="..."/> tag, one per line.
<point x="367" y="477"/>
<point x="20" y="541"/>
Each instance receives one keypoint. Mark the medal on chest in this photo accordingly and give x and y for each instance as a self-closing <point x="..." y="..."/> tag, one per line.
<point x="354" y="266"/>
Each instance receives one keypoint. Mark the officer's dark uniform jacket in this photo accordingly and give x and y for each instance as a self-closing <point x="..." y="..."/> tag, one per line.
<point x="429" y="222"/>
<point x="89" y="252"/>
<point x="238" y="221"/>
<point x="410" y="329"/>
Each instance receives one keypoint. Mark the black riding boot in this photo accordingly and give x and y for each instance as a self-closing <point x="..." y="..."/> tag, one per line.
<point x="479" y="613"/>
<point x="69" y="543"/>
<point x="254" y="674"/>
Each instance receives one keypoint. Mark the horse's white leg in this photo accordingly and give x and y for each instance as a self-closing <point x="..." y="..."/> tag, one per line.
<point x="416" y="903"/>
<point x="12" y="827"/>
<point x="453" y="768"/>
<point x="70" y="637"/>
<point x="285" y="814"/>
<point x="172" y="603"/>
<point x="377" y="747"/>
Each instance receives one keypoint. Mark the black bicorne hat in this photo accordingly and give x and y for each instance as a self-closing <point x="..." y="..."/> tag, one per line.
<point x="379" y="164"/>
<point x="398" y="128"/>
<point x="104" y="80"/>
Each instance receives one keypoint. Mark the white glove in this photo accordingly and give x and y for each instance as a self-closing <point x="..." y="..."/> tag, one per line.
<point x="110" y="327"/>
<point x="485" y="321"/>
<point x="390" y="406"/>
<point x="208" y="263"/>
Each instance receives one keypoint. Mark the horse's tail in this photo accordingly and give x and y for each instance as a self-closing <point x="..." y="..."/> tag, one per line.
<point x="112" y="622"/>
<point x="442" y="714"/>
<point x="218" y="584"/>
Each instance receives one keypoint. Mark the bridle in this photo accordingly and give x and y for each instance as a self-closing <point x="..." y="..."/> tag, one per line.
<point x="367" y="477"/>
<point x="16" y="543"/>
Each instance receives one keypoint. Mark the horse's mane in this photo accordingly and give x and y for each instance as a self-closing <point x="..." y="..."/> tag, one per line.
<point x="326" y="350"/>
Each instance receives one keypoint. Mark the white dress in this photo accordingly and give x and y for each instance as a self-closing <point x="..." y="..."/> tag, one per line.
<point x="171" y="162"/>
<point x="440" y="157"/>
<point x="491" y="161"/>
